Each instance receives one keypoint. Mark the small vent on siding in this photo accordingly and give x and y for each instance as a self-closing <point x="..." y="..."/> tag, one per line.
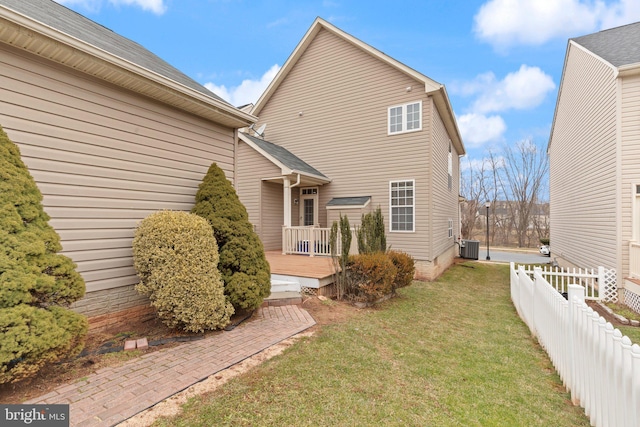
<point x="637" y="189"/>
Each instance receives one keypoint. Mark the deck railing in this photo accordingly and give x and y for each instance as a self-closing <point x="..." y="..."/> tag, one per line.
<point x="310" y="241"/>
<point x="634" y="260"/>
<point x="597" y="364"/>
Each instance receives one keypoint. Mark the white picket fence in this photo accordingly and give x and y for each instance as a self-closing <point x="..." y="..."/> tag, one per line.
<point x="600" y="283"/>
<point x="597" y="364"/>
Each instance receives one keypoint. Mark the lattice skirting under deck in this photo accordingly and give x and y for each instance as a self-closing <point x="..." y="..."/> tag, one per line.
<point x="631" y="299"/>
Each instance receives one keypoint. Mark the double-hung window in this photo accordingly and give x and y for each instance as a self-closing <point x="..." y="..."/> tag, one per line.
<point x="402" y="205"/>
<point x="405" y="118"/>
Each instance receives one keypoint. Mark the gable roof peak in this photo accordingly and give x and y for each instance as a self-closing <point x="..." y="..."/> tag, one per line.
<point x="437" y="90"/>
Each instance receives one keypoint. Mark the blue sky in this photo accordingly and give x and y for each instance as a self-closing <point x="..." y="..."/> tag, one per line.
<point x="500" y="60"/>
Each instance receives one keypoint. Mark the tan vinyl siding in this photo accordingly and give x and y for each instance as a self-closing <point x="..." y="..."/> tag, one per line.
<point x="583" y="184"/>
<point x="445" y="200"/>
<point x="630" y="131"/>
<point x="263" y="201"/>
<point x="331" y="111"/>
<point x="272" y="218"/>
<point x="104" y="158"/>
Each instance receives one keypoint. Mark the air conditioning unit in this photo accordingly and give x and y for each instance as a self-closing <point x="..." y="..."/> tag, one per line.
<point x="469" y="249"/>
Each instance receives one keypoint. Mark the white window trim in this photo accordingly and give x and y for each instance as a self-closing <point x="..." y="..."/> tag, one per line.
<point x="413" y="217"/>
<point x="404" y="118"/>
<point x="450" y="229"/>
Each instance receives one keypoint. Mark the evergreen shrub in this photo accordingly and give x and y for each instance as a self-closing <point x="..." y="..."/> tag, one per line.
<point x="371" y="233"/>
<point x="405" y="268"/>
<point x="371" y="276"/>
<point x="176" y="257"/>
<point x="36" y="283"/>
<point x="243" y="265"/>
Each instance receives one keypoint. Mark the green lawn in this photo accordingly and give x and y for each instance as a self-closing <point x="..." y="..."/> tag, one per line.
<point x="447" y="353"/>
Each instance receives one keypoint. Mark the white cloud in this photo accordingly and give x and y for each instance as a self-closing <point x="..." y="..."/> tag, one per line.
<point x="478" y="129"/>
<point x="621" y="13"/>
<point x="156" y="6"/>
<point x="520" y="90"/>
<point x="505" y="23"/>
<point x="248" y="91"/>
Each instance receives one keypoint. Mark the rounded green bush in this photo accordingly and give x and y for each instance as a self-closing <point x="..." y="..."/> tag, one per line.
<point x="243" y="265"/>
<point x="176" y="257"/>
<point x="36" y="283"/>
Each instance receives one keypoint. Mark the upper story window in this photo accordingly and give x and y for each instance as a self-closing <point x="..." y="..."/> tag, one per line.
<point x="402" y="204"/>
<point x="405" y="118"/>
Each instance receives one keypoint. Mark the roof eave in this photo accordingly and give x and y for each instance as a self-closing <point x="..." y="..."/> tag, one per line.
<point x="441" y="99"/>
<point x="44" y="41"/>
<point x="284" y="169"/>
<point x="629" y="69"/>
<point x="311" y="177"/>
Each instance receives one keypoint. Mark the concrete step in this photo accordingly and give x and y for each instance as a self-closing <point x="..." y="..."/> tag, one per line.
<point x="283" y="298"/>
<point x="278" y="285"/>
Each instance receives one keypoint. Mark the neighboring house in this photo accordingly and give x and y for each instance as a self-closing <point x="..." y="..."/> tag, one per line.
<point x="110" y="132"/>
<point x="350" y="129"/>
<point x="594" y="153"/>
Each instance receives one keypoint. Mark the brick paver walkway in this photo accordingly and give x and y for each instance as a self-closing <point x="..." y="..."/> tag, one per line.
<point x="112" y="395"/>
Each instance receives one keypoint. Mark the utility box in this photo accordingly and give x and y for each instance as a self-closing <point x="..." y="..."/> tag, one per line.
<point x="469" y="249"/>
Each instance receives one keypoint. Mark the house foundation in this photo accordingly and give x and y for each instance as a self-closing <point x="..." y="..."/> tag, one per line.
<point x="113" y="308"/>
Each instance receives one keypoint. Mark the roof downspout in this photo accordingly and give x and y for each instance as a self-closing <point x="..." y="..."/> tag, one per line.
<point x="297" y="182"/>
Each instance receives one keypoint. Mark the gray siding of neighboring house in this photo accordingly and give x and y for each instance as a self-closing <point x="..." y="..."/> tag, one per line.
<point x="583" y="177"/>
<point x="263" y="200"/>
<point x="104" y="158"/>
<point x="630" y="157"/>
<point x="331" y="111"/>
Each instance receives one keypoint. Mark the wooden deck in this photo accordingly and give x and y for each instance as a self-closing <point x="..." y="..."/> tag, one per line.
<point x="316" y="267"/>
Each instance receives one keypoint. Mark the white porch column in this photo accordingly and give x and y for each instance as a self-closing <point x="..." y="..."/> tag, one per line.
<point x="287" y="201"/>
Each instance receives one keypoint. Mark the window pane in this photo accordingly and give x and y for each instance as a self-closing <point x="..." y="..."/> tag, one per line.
<point x="308" y="212"/>
<point x="413" y="116"/>
<point x="395" y="119"/>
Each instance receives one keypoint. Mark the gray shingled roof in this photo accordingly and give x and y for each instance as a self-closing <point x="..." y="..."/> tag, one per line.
<point x="285" y="157"/>
<point x="71" y="23"/>
<point x="619" y="46"/>
<point x="349" y="201"/>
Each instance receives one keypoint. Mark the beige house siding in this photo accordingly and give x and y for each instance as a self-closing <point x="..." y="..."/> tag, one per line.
<point x="630" y="155"/>
<point x="252" y="167"/>
<point x="272" y="215"/>
<point x="331" y="111"/>
<point x="354" y="215"/>
<point x="445" y="199"/>
<point x="104" y="158"/>
<point x="583" y="180"/>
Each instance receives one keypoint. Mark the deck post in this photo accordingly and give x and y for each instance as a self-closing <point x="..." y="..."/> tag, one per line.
<point x="286" y="186"/>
